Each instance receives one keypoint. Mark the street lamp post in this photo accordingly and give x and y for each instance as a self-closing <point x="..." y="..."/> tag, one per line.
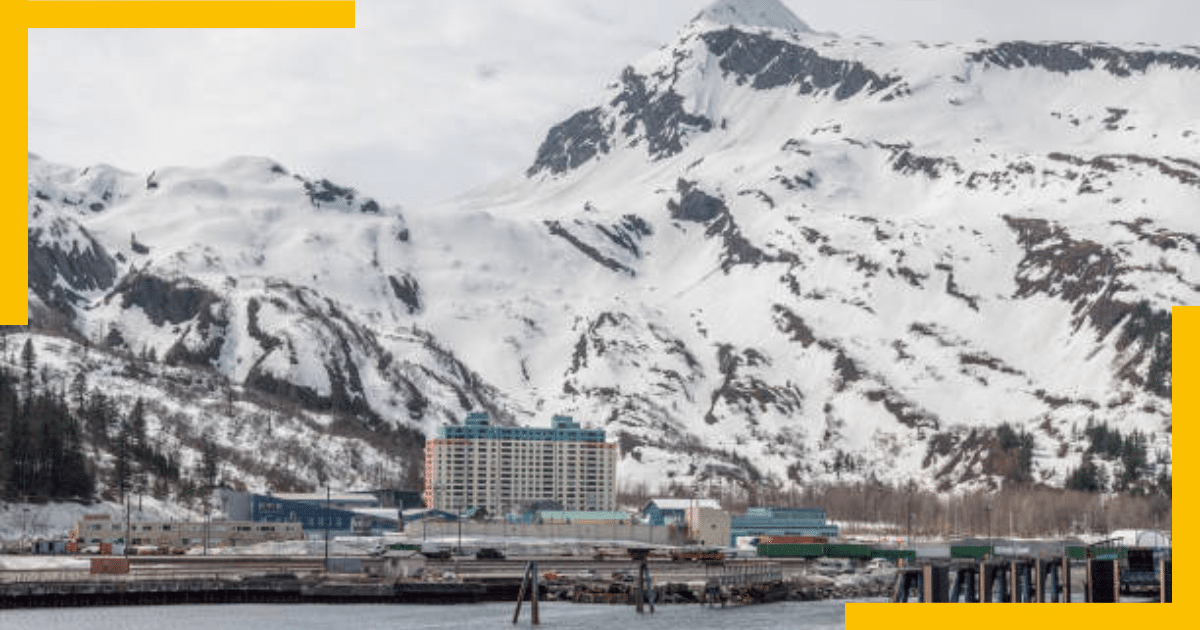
<point x="910" y="520"/>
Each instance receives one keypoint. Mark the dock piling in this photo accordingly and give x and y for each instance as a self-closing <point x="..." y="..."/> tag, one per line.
<point x="530" y="580"/>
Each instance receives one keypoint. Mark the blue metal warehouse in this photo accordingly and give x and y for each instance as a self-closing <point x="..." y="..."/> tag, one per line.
<point x="770" y="521"/>
<point x="315" y="517"/>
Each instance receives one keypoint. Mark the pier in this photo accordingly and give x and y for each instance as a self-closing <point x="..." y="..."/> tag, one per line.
<point x="1018" y="580"/>
<point x="188" y="580"/>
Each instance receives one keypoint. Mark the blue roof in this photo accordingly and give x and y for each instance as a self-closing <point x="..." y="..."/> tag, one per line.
<point x="562" y="429"/>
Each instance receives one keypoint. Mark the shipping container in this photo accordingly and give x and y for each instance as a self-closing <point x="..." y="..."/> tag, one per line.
<point x="110" y="566"/>
<point x="848" y="551"/>
<point x="895" y="554"/>
<point x="793" y="540"/>
<point x="785" y="550"/>
<point x="106" y="549"/>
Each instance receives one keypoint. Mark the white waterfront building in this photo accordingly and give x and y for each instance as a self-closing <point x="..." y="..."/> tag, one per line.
<point x="504" y="469"/>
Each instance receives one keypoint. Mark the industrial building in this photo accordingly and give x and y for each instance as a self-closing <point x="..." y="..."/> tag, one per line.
<point x="582" y="517"/>
<point x="674" y="511"/>
<point x="478" y="464"/>
<point x="772" y="521"/>
<point x="342" y="513"/>
<point x="100" y="528"/>
<point x="708" y="526"/>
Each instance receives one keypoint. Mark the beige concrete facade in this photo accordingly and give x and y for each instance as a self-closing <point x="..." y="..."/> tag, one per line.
<point x="504" y="476"/>
<point x="708" y="526"/>
<point x="181" y="534"/>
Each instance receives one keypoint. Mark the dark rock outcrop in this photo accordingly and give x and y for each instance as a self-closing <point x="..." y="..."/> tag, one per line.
<point x="1074" y="57"/>
<point x="87" y="268"/>
<point x="165" y="301"/>
<point x="572" y="142"/>
<point x="695" y="204"/>
<point x="660" y="115"/>
<point x="768" y="63"/>
<point x="407" y="290"/>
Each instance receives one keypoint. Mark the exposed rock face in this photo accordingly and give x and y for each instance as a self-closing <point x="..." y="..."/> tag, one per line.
<point x="658" y="118"/>
<point x="767" y="63"/>
<point x="407" y="290"/>
<point x="1067" y="58"/>
<point x="165" y="301"/>
<point x="572" y="142"/>
<point x="695" y="204"/>
<point x="81" y="263"/>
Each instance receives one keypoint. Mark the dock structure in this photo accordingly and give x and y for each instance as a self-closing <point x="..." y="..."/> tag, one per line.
<point x="1023" y="579"/>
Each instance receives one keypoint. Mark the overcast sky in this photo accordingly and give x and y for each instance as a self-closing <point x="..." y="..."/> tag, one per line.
<point x="424" y="100"/>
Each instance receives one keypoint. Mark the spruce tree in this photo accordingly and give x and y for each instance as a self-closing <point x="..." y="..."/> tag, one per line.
<point x="79" y="393"/>
<point x="29" y="363"/>
<point x="122" y="472"/>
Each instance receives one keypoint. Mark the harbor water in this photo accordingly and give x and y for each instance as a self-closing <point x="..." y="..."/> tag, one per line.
<point x="816" y="615"/>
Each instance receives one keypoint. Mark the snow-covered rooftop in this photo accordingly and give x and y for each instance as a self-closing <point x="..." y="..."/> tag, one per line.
<point x="683" y="504"/>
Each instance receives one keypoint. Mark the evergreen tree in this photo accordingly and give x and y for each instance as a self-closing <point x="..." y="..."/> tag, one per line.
<point x="137" y="426"/>
<point x="8" y="412"/>
<point x="1088" y="477"/>
<point x="122" y="471"/>
<point x="208" y="463"/>
<point x="1134" y="461"/>
<point x="79" y="393"/>
<point x="29" y="362"/>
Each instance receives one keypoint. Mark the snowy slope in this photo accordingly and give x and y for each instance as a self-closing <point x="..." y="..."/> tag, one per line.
<point x="769" y="255"/>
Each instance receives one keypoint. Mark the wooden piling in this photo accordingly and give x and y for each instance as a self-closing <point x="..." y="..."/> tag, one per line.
<point x="521" y="593"/>
<point x="1116" y="574"/>
<point x="639" y="593"/>
<point x="986" y="577"/>
<point x="1039" y="595"/>
<point x="530" y="580"/>
<point x="1014" y="593"/>
<point x="534" y="596"/>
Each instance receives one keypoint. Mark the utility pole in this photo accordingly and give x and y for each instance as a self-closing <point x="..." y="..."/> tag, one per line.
<point x="125" y="548"/>
<point x="988" y="511"/>
<point x="207" y="506"/>
<point x="910" y="519"/>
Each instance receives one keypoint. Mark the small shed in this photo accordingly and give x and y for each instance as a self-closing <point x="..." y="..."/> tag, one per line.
<point x="674" y="511"/>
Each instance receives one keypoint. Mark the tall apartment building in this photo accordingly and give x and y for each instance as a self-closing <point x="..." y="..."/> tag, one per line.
<point x="504" y="469"/>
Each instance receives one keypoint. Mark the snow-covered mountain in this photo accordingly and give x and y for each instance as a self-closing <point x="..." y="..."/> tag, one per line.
<point x="769" y="255"/>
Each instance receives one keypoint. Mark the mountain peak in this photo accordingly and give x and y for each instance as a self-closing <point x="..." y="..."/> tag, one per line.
<point x="758" y="13"/>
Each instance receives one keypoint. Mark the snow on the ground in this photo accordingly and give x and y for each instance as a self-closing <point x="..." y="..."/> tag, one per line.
<point x="44" y="563"/>
<point x="53" y="521"/>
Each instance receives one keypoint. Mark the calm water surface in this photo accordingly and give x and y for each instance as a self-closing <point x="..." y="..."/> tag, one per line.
<point x="554" y="615"/>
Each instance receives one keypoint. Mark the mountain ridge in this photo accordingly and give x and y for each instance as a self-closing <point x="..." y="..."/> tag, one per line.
<point x="767" y="257"/>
